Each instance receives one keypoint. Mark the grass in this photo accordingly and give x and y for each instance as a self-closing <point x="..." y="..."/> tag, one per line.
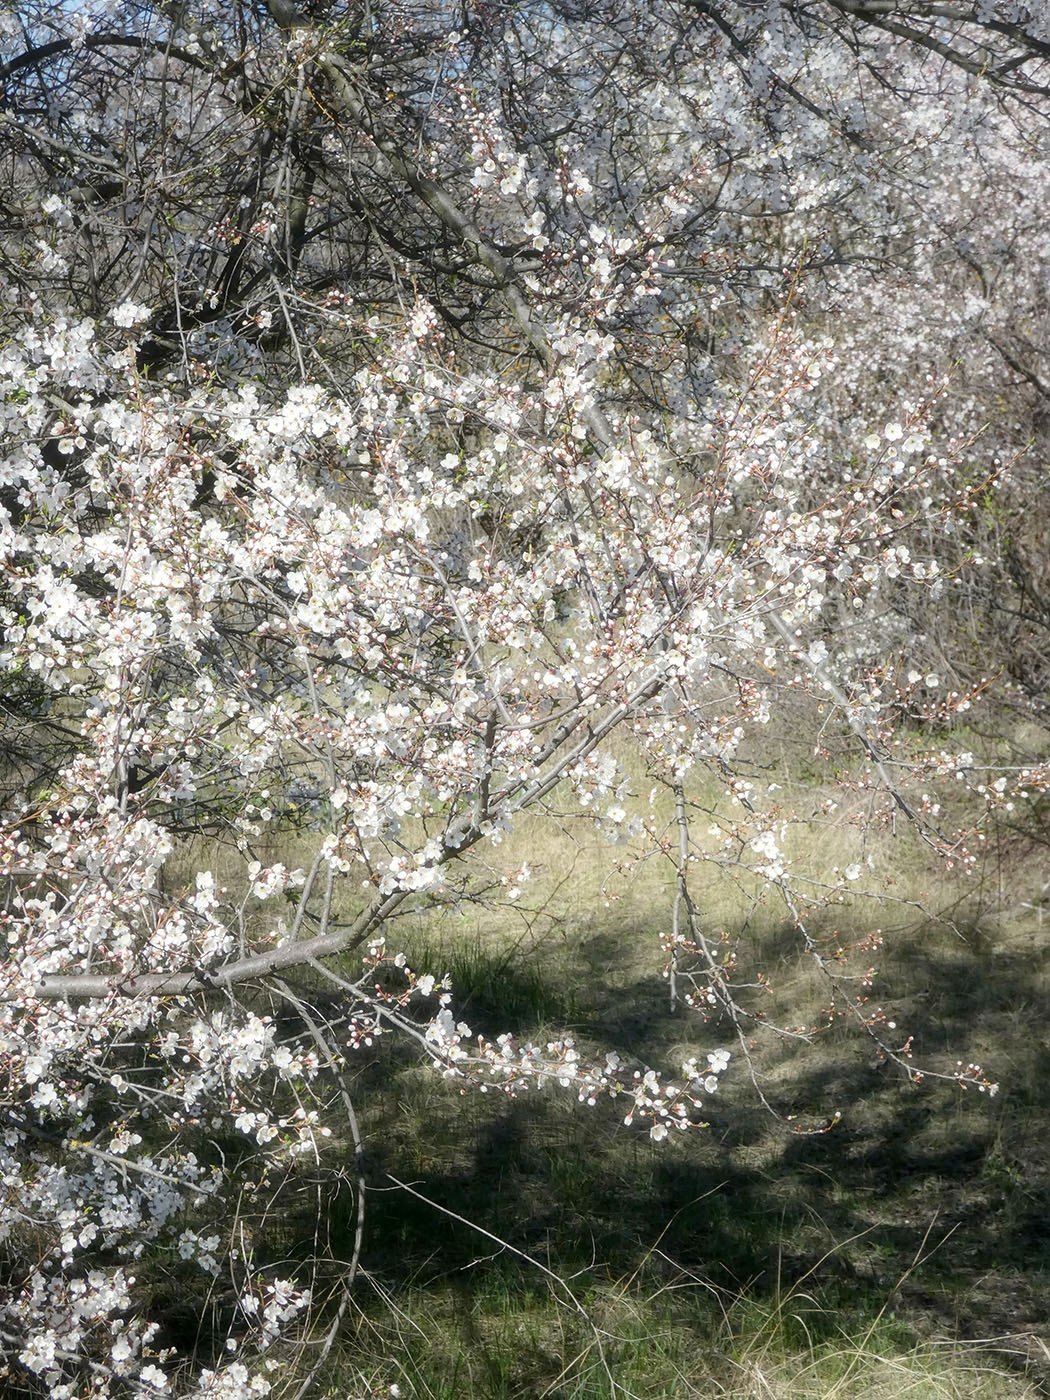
<point x="906" y="1252"/>
<point x="744" y="1261"/>
<point x="667" y="1343"/>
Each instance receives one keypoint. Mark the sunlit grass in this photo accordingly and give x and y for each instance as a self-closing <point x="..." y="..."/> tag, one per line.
<point x="637" y="1341"/>
<point x="741" y="1261"/>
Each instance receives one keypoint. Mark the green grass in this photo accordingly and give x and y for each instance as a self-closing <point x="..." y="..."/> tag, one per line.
<point x="905" y="1252"/>
<point x="740" y="1261"/>
<point x="656" y="1341"/>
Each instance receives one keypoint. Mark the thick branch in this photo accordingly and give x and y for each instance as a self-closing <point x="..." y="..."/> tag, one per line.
<point x="882" y="17"/>
<point x="165" y="984"/>
<point x="34" y="58"/>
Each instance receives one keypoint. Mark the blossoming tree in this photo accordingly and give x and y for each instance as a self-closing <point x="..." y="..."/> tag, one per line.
<point x="400" y="406"/>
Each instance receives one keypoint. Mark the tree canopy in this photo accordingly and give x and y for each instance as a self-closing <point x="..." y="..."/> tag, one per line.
<point x="413" y="415"/>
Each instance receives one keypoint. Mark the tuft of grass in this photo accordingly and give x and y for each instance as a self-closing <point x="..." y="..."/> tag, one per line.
<point x="670" y="1340"/>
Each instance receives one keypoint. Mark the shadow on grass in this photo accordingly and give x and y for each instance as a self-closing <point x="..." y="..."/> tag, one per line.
<point x="927" y="1201"/>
